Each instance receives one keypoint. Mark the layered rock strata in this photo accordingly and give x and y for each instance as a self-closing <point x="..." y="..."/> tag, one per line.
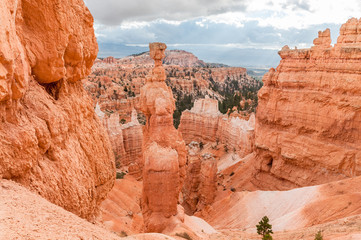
<point x="164" y="156"/>
<point x="308" y="128"/>
<point x="50" y="139"/>
<point x="199" y="188"/>
<point x="204" y="123"/>
<point x="126" y="140"/>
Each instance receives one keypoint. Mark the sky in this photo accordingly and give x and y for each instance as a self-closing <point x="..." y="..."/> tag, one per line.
<point x="246" y="33"/>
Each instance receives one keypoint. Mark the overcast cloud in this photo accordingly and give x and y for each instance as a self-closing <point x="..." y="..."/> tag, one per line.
<point x="224" y="26"/>
<point x="114" y="12"/>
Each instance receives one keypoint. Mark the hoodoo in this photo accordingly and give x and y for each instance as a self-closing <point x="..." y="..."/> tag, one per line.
<point x="164" y="156"/>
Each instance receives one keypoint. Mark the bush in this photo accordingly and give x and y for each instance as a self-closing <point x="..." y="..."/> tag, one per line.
<point x="264" y="228"/>
<point x="120" y="175"/>
<point x="318" y="235"/>
<point x="184" y="235"/>
<point x="123" y="234"/>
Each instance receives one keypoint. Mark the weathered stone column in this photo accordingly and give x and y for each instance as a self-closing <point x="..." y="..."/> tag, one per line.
<point x="164" y="156"/>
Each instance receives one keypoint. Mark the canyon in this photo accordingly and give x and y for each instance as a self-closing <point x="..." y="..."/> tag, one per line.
<point x="93" y="151"/>
<point x="290" y="161"/>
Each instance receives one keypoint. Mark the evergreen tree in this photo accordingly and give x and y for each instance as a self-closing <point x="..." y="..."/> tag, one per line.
<point x="264" y="228"/>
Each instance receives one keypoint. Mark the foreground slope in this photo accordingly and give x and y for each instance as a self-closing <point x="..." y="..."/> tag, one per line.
<point x="26" y="215"/>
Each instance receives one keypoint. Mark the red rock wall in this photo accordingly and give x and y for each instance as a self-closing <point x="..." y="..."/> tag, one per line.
<point x="204" y="123"/>
<point x="308" y="128"/>
<point x="199" y="188"/>
<point x="50" y="139"/>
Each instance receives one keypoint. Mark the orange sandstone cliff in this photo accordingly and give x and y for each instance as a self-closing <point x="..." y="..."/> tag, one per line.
<point x="164" y="156"/>
<point x="309" y="114"/>
<point x="50" y="139"/>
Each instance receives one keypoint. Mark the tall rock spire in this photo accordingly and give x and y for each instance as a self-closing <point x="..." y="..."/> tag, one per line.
<point x="164" y="156"/>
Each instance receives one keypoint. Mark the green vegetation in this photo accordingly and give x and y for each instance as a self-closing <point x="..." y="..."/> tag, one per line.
<point x="183" y="102"/>
<point x="120" y="175"/>
<point x="318" y="235"/>
<point x="233" y="94"/>
<point x="184" y="235"/>
<point x="123" y="234"/>
<point x="264" y="229"/>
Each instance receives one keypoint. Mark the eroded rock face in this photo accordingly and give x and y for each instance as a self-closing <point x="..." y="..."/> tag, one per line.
<point x="309" y="113"/>
<point x="204" y="123"/>
<point x="199" y="188"/>
<point x="50" y="139"/>
<point x="164" y="155"/>
<point x="126" y="140"/>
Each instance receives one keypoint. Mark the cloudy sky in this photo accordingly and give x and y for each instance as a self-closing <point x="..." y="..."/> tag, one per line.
<point x="234" y="32"/>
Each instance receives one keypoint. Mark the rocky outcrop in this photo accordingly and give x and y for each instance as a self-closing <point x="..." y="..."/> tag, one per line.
<point x="199" y="188"/>
<point x="164" y="156"/>
<point x="133" y="144"/>
<point x="126" y="140"/>
<point x="109" y="60"/>
<point x="308" y="118"/>
<point x="115" y="132"/>
<point x="200" y="124"/>
<point x="50" y="139"/>
<point x="182" y="58"/>
<point x="204" y="123"/>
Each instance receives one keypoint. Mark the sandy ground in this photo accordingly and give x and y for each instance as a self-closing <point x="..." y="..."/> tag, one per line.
<point x="25" y="215"/>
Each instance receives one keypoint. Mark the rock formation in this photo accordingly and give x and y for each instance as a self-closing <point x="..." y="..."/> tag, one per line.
<point x="126" y="140"/>
<point x="115" y="132"/>
<point x="109" y="60"/>
<point x="204" y="123"/>
<point x="199" y="188"/>
<point x="182" y="58"/>
<point x="164" y="156"/>
<point x="309" y="114"/>
<point x="133" y="144"/>
<point x="200" y="124"/>
<point x="50" y="139"/>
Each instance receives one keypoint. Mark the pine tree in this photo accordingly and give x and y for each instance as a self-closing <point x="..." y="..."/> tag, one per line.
<point x="264" y="229"/>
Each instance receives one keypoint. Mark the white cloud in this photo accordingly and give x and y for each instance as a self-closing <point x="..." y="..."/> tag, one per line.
<point x="225" y="45"/>
<point x="300" y="14"/>
<point x="114" y="12"/>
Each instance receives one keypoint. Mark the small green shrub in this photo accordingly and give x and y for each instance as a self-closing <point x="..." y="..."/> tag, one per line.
<point x="120" y="175"/>
<point x="184" y="235"/>
<point x="122" y="234"/>
<point x="318" y="235"/>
